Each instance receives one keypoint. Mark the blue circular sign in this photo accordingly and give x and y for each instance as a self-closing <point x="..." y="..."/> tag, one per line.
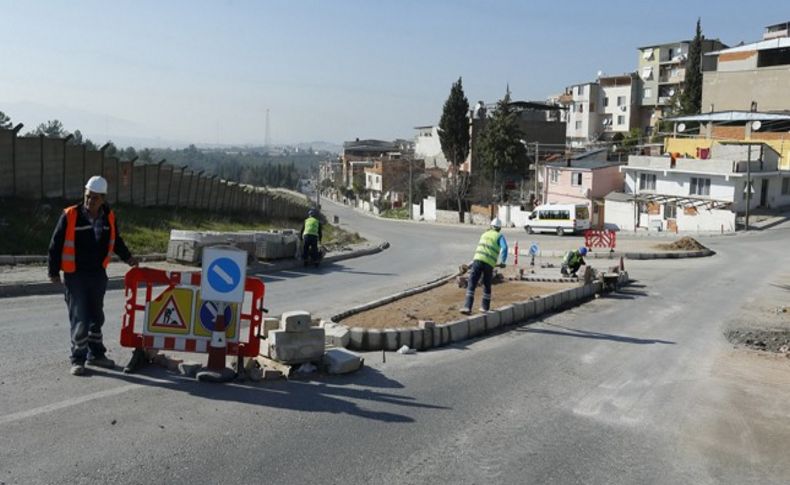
<point x="224" y="275"/>
<point x="208" y="315"/>
<point x="533" y="249"/>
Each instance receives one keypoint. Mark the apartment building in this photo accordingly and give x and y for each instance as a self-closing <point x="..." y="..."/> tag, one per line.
<point x="662" y="70"/>
<point x="598" y="110"/>
<point x="750" y="77"/>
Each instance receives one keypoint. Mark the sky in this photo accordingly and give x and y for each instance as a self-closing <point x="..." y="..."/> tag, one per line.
<point x="154" y="73"/>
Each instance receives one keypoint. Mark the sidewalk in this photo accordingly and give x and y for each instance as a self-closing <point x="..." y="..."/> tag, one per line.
<point x="31" y="279"/>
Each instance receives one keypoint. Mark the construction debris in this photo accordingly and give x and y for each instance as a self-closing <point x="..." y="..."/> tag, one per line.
<point x="682" y="244"/>
<point x="341" y="361"/>
<point x="405" y="350"/>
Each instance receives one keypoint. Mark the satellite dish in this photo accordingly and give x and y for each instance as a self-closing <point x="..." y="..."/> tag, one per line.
<point x="682" y="127"/>
<point x="756" y="125"/>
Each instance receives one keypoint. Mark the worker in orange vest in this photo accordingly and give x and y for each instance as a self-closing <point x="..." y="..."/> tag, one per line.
<point x="83" y="242"/>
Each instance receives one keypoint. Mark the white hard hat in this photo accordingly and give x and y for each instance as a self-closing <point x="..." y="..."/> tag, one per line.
<point x="97" y="184"/>
<point x="495" y="222"/>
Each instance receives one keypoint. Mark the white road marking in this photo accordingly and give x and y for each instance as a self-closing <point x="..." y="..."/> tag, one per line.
<point x="29" y="413"/>
<point x="222" y="274"/>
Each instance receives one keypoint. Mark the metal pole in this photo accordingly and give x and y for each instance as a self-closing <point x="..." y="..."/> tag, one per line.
<point x="13" y="157"/>
<point x="748" y="183"/>
<point x="537" y="157"/>
<point x="411" y="210"/>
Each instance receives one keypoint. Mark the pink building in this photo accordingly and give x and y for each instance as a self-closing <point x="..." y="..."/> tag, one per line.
<point x="582" y="182"/>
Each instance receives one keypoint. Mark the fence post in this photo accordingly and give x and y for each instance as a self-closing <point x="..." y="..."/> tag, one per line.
<point x="41" y="160"/>
<point x="63" y="174"/>
<point x="158" y="180"/>
<point x="13" y="158"/>
<point x="131" y="180"/>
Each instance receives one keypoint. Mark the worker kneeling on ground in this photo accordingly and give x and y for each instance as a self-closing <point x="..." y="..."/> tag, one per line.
<point x="492" y="247"/>
<point x="311" y="236"/>
<point x="572" y="261"/>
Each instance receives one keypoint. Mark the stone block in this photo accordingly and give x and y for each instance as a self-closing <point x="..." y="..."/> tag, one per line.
<point x="493" y="320"/>
<point x="445" y="333"/>
<point x="390" y="339"/>
<point x="295" y="321"/>
<point x="417" y="339"/>
<point x="529" y="309"/>
<point x="356" y="338"/>
<point x="296" y="347"/>
<point x="341" y="361"/>
<point x="374" y="339"/>
<point x="519" y="311"/>
<point x="404" y="338"/>
<point x="507" y="314"/>
<point x="540" y="306"/>
<point x="437" y="336"/>
<point x="427" y="338"/>
<point x="477" y="325"/>
<point x="268" y="325"/>
<point x="336" y="335"/>
<point x="458" y="330"/>
<point x="424" y="324"/>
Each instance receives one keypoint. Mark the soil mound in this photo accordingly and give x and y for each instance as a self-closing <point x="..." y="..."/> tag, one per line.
<point x="767" y="340"/>
<point x="682" y="244"/>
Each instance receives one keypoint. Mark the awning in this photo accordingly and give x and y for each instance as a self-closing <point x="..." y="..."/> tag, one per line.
<point x="647" y="54"/>
<point x="684" y="201"/>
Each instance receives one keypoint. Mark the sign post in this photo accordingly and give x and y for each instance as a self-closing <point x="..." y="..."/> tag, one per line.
<point x="222" y="282"/>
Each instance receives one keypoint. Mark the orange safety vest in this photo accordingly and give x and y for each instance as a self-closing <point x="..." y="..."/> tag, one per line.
<point x="68" y="258"/>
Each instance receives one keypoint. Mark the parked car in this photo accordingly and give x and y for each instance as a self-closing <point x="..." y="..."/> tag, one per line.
<point x="559" y="218"/>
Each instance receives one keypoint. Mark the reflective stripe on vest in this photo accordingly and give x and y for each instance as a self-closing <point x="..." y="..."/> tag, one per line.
<point x="310" y="227"/>
<point x="68" y="257"/>
<point x="488" y="248"/>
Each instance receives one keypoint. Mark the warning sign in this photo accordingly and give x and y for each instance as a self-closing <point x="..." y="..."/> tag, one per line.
<point x="206" y="314"/>
<point x="171" y="312"/>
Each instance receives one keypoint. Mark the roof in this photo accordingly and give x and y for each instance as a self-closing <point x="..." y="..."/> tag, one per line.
<point x="583" y="164"/>
<point x="534" y="105"/>
<point x="619" y="196"/>
<point x="733" y="116"/>
<point x="778" y="43"/>
<point x="661" y="44"/>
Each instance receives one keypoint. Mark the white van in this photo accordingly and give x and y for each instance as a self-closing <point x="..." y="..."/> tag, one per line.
<point x="559" y="218"/>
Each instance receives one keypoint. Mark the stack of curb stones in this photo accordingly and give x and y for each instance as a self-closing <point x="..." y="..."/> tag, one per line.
<point x="429" y="334"/>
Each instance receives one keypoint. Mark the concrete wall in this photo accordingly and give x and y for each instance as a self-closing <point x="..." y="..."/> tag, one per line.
<point x="37" y="167"/>
<point x="619" y="215"/>
<point x="736" y="90"/>
<point x="706" y="221"/>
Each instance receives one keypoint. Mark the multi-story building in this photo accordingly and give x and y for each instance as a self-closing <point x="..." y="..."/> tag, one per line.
<point x="600" y="109"/>
<point x="359" y="154"/>
<point x="331" y="170"/>
<point x="750" y="77"/>
<point x="390" y="178"/>
<point x="686" y="194"/>
<point x="662" y="69"/>
<point x="428" y="147"/>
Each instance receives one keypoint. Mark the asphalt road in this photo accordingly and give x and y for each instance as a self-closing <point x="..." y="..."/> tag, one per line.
<point x="636" y="387"/>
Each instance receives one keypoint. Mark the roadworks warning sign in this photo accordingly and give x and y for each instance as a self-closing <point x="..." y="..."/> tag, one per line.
<point x="171" y="312"/>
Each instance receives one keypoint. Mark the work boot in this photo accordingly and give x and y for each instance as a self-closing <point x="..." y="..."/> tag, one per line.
<point x="102" y="361"/>
<point x="77" y="369"/>
<point x="466" y="311"/>
<point x="483" y="310"/>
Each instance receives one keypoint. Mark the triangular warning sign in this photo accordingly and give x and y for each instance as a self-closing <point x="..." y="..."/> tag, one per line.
<point x="169" y="316"/>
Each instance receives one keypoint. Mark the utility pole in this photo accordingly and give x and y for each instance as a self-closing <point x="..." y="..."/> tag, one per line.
<point x="411" y="208"/>
<point x="537" y="157"/>
<point x="748" y="183"/>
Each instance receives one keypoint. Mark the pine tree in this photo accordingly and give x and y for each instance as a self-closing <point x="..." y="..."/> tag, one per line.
<point x="454" y="138"/>
<point x="691" y="98"/>
<point x="5" y="121"/>
<point x="500" y="146"/>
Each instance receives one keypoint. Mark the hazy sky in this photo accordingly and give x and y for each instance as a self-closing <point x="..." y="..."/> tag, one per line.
<point x="331" y="70"/>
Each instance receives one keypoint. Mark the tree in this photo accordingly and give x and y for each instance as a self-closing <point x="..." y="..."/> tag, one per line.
<point x="500" y="146"/>
<point x="76" y="138"/>
<point x="691" y="98"/>
<point x="51" y="129"/>
<point x="454" y="138"/>
<point x="5" y="121"/>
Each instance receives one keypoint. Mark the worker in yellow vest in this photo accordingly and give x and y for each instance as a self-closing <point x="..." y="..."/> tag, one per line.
<point x="83" y="242"/>
<point x="311" y="236"/>
<point x="491" y="248"/>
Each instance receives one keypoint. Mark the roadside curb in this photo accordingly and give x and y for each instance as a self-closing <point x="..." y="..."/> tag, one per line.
<point x="431" y="335"/>
<point x="11" y="260"/>
<point x="628" y="255"/>
<point x="117" y="282"/>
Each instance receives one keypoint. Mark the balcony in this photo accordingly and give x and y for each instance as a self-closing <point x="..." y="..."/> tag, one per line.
<point x="693" y="165"/>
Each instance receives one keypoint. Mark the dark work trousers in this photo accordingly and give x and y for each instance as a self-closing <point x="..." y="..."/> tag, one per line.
<point x="477" y="270"/>
<point x="310" y="248"/>
<point x="85" y="301"/>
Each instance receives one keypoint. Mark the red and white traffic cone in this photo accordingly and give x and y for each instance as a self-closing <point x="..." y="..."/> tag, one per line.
<point x="216" y="369"/>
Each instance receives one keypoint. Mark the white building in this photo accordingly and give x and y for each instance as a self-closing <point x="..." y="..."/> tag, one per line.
<point x="428" y="147"/>
<point x="584" y="123"/>
<point x="690" y="195"/>
<point x="599" y="110"/>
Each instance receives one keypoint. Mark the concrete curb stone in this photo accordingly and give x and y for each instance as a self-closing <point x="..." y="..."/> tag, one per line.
<point x="477" y="325"/>
<point x="493" y="320"/>
<point x="507" y="315"/>
<point x="390" y="339"/>
<point x="458" y="330"/>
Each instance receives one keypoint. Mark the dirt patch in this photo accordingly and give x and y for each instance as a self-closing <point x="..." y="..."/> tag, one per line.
<point x="767" y="340"/>
<point x="442" y="304"/>
<point x="682" y="244"/>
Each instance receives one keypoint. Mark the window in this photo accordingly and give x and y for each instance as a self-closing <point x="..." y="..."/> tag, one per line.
<point x="605" y="102"/>
<point x="370" y="180"/>
<point x="554" y="214"/>
<point x="554" y="176"/>
<point x="621" y="101"/>
<point x="578" y="125"/>
<point x="648" y="92"/>
<point x="786" y="186"/>
<point x="583" y="213"/>
<point x="576" y="178"/>
<point x="647" y="181"/>
<point x="621" y="120"/>
<point x="580" y="90"/>
<point x="581" y="108"/>
<point x="699" y="186"/>
<point x="670" y="211"/>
